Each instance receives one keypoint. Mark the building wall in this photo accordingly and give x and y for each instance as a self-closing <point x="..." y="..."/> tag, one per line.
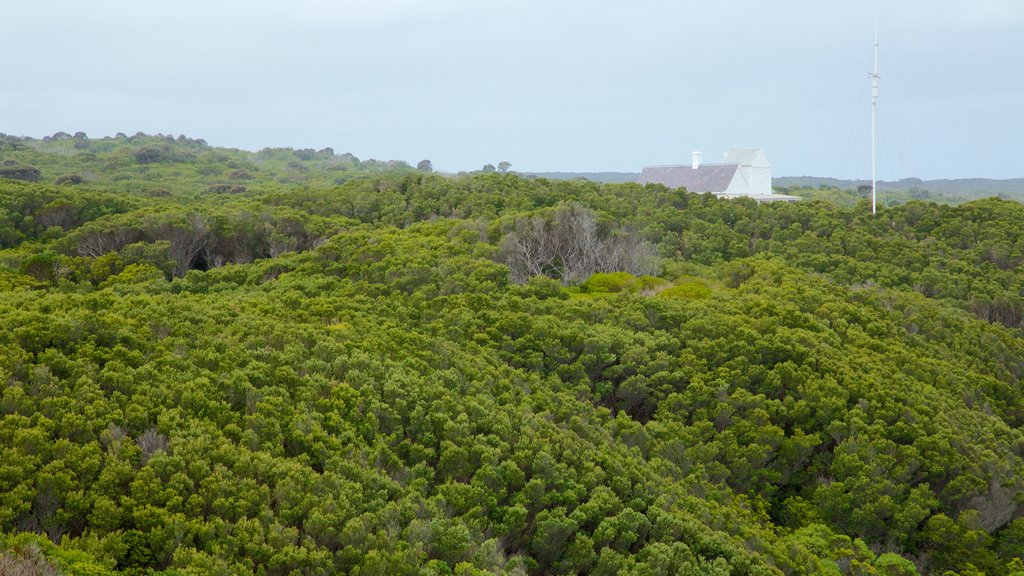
<point x="760" y="179"/>
<point x="751" y="181"/>
<point x="739" y="184"/>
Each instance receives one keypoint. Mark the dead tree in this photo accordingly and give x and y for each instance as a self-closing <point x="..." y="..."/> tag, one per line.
<point x="571" y="245"/>
<point x="188" y="240"/>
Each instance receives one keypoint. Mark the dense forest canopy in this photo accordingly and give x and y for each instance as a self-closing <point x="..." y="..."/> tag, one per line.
<point x="285" y="362"/>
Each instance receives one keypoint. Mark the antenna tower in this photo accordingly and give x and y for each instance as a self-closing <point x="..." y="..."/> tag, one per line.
<point x="874" y="116"/>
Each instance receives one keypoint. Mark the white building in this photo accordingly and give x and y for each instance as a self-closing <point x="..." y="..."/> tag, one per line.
<point x="743" y="172"/>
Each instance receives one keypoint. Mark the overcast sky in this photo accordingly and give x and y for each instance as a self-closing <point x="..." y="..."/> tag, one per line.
<point x="573" y="85"/>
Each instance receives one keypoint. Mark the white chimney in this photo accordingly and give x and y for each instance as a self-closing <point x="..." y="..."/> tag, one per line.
<point x="696" y="159"/>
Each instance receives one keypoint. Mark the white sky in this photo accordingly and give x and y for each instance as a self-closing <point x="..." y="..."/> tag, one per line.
<point x="567" y="85"/>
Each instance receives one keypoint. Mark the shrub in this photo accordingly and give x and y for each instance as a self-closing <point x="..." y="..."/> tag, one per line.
<point x="41" y="266"/>
<point x="612" y="282"/>
<point x="689" y="290"/>
<point x="226" y="188"/>
<point x="20" y="172"/>
<point x="240" y="174"/>
<point x="150" y="155"/>
<point x="72" y="179"/>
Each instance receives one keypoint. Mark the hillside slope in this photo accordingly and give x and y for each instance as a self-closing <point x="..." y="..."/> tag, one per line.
<point x="304" y="377"/>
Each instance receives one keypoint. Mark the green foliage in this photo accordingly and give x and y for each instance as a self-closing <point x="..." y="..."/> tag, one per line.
<point x="69" y="179"/>
<point x="687" y="290"/>
<point x="604" y="282"/>
<point x="30" y="554"/>
<point x="889" y="564"/>
<point x="41" y="266"/>
<point x="20" y="172"/>
<point x="134" y="274"/>
<point x="336" y="371"/>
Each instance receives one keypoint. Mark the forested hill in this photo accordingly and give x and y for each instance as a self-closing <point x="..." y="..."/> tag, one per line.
<point x="899" y="191"/>
<point x="295" y="362"/>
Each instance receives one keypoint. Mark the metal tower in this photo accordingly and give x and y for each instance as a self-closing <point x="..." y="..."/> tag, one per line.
<point x="874" y="116"/>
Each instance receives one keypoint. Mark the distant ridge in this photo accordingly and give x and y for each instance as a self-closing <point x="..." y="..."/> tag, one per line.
<point x="1013" y="187"/>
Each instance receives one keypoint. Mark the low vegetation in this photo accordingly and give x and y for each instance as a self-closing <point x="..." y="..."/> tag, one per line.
<point x="366" y="368"/>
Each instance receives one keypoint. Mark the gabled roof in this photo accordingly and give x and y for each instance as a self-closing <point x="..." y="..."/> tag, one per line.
<point x="747" y="157"/>
<point x="706" y="178"/>
<point x="742" y="156"/>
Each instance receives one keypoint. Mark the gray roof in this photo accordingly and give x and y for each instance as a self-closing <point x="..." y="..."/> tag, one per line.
<point x="706" y="178"/>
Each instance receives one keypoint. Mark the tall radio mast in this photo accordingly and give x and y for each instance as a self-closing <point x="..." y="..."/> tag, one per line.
<point x="874" y="116"/>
